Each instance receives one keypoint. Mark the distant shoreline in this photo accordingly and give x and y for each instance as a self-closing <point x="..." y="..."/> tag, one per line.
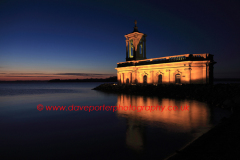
<point x="110" y="79"/>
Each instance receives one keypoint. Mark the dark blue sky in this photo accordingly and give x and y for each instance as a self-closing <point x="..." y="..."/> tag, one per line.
<point x="83" y="39"/>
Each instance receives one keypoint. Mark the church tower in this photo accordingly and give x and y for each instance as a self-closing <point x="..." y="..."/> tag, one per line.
<point x="135" y="45"/>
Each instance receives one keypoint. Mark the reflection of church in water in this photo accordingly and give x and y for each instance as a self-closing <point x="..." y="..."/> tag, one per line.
<point x="178" y="69"/>
<point x="197" y="120"/>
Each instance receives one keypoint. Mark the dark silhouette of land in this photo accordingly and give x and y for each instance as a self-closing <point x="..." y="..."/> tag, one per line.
<point x="110" y="79"/>
<point x="218" y="143"/>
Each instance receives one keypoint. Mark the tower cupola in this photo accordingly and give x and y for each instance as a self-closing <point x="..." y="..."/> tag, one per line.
<point x="135" y="45"/>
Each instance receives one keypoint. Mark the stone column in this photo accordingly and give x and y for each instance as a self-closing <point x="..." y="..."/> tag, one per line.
<point x="190" y="80"/>
<point x="122" y="78"/>
<point x="168" y="75"/>
<point x="152" y="76"/>
<point x="127" y="46"/>
<point x="207" y="68"/>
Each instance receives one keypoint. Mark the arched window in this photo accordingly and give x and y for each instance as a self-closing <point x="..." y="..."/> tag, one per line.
<point x="145" y="79"/>
<point x="130" y="48"/>
<point x="178" y="79"/>
<point x="127" y="81"/>
<point x="159" y="79"/>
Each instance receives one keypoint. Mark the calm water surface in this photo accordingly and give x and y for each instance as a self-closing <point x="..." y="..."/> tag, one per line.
<point x="124" y="134"/>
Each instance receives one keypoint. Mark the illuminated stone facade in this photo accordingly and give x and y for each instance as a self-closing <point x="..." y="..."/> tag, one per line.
<point x="177" y="69"/>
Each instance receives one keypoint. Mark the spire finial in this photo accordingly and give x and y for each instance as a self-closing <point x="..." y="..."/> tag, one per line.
<point x="135" y="28"/>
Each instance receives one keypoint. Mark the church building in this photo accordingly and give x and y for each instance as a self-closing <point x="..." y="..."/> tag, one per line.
<point x="177" y="69"/>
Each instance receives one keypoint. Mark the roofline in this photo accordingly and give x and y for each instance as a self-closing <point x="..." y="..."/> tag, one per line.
<point x="167" y="57"/>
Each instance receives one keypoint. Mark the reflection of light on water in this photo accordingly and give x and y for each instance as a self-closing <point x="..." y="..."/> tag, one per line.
<point x="134" y="135"/>
<point x="194" y="121"/>
<point x="181" y="121"/>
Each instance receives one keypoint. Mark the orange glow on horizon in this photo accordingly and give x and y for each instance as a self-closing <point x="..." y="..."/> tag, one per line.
<point x="44" y="77"/>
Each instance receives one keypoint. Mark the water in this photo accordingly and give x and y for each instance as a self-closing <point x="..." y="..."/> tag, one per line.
<point x="27" y="132"/>
<point x="225" y="82"/>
